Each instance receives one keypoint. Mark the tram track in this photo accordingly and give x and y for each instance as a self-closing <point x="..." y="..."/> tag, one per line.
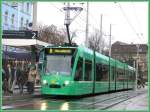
<point x="112" y="101"/>
<point x="115" y="103"/>
<point x="103" y="100"/>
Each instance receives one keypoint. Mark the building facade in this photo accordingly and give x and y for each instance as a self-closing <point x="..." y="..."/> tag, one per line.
<point x="131" y="54"/>
<point x="16" y="15"/>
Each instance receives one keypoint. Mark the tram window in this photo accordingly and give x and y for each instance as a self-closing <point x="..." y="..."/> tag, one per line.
<point x="134" y="76"/>
<point x="125" y="75"/>
<point x="72" y="62"/>
<point x="113" y="73"/>
<point x="120" y="75"/>
<point x="116" y="74"/>
<point x="105" y="73"/>
<point x="98" y="72"/>
<point x="79" y="68"/>
<point x="130" y="76"/>
<point x="88" y="70"/>
<point x="73" y="59"/>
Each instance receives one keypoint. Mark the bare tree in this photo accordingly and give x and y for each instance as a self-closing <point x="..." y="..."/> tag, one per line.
<point x="51" y="34"/>
<point x="96" y="42"/>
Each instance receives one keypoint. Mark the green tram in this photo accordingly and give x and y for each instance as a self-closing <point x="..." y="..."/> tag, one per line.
<point x="75" y="71"/>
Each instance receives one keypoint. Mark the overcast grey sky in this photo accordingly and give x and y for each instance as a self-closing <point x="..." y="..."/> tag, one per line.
<point x="129" y="19"/>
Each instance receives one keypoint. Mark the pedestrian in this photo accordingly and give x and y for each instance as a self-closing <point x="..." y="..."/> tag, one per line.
<point x="4" y="82"/>
<point x="10" y="79"/>
<point x="31" y="79"/>
<point x="37" y="79"/>
<point x="138" y="83"/>
<point x="141" y="81"/>
<point x="3" y="74"/>
<point x="29" y="66"/>
<point x="19" y="78"/>
<point x="14" y="78"/>
<point x="9" y="76"/>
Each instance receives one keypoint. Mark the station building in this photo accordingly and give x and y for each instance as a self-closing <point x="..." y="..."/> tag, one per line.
<point x="128" y="53"/>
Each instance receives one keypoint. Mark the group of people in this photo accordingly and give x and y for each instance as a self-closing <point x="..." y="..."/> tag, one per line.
<point x="21" y="73"/>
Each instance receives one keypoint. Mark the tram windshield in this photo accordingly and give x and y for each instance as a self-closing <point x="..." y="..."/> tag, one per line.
<point x="58" y="64"/>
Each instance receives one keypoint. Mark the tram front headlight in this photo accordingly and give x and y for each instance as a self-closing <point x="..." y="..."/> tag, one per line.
<point x="67" y="82"/>
<point x="44" y="82"/>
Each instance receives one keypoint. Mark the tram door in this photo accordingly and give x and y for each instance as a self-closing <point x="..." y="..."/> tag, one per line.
<point x="101" y="77"/>
<point x="88" y="76"/>
<point x="83" y="77"/>
<point x="112" y="78"/>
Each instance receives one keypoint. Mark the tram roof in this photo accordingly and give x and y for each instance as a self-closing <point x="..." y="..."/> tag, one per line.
<point x="90" y="53"/>
<point x="104" y="58"/>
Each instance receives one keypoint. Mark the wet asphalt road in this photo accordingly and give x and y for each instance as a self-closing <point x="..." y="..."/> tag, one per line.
<point x="97" y="102"/>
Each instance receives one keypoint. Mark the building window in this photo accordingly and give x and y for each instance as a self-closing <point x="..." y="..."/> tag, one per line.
<point x="27" y="7"/>
<point x="6" y="3"/>
<point x="22" y="6"/>
<point x="12" y="19"/>
<point x="6" y="18"/>
<point x="14" y="4"/>
<point x="21" y="22"/>
<point x="27" y="23"/>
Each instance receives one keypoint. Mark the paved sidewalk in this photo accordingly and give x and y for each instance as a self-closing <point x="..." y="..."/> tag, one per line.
<point x="17" y="96"/>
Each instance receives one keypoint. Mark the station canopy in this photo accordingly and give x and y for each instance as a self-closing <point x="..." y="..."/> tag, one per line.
<point x="23" y="42"/>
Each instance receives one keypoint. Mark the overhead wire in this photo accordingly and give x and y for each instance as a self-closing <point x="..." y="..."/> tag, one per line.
<point x="81" y="18"/>
<point x="137" y="19"/>
<point x="62" y="12"/>
<point x="92" y="17"/>
<point x="128" y="21"/>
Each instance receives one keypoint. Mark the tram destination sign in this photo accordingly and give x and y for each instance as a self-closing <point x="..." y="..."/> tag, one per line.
<point x="59" y="51"/>
<point x="23" y="34"/>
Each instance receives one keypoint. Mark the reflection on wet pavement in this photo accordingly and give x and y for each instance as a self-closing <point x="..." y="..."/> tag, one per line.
<point x="92" y="102"/>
